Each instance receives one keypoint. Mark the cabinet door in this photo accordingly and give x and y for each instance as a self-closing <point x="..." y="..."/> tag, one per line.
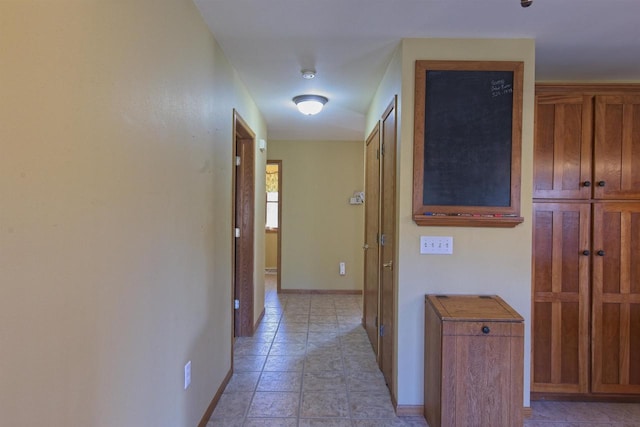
<point x="617" y="147"/>
<point x="486" y="392"/>
<point x="563" y="139"/>
<point x="616" y="298"/>
<point x="560" y="297"/>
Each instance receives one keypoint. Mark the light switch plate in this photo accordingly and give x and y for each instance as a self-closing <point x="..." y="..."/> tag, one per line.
<point x="438" y="245"/>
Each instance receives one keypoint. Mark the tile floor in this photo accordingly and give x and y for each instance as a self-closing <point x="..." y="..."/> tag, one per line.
<point x="310" y="364"/>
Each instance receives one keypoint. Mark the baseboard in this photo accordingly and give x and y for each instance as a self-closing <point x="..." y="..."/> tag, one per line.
<point x="410" y="410"/>
<point x="320" y="291"/>
<point x="207" y="414"/>
<point x="258" y="321"/>
<point x="527" y="412"/>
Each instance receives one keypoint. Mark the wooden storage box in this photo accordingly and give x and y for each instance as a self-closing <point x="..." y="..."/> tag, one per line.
<point x="473" y="374"/>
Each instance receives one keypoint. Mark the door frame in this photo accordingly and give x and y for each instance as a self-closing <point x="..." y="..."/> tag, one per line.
<point x="372" y="208"/>
<point x="243" y="205"/>
<point x="388" y="223"/>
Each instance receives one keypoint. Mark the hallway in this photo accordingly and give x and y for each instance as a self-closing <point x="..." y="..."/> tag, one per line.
<point x="308" y="364"/>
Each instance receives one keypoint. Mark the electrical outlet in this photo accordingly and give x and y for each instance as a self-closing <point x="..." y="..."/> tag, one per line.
<point x="343" y="269"/>
<point x="187" y="375"/>
<point x="436" y="245"/>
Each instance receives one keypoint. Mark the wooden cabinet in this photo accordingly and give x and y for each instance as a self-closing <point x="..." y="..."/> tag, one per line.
<point x="586" y="242"/>
<point x="563" y="143"/>
<point x="616" y="298"/>
<point x="473" y="372"/>
<point x="561" y="274"/>
<point x="617" y="147"/>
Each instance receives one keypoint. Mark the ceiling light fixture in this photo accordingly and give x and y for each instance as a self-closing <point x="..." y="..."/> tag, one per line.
<point x="310" y="104"/>
<point x="525" y="3"/>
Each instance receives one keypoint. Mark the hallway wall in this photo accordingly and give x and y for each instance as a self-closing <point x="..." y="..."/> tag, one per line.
<point x="319" y="226"/>
<point x="115" y="212"/>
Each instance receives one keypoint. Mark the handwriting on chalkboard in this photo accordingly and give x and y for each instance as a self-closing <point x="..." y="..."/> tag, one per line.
<point x="500" y="87"/>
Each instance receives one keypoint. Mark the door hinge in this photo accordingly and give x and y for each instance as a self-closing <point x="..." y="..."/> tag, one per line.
<point x="383" y="239"/>
<point x="238" y="160"/>
<point x="378" y="154"/>
<point x="236" y="304"/>
<point x="382" y="150"/>
<point x="236" y="232"/>
<point x="381" y="330"/>
<point x="375" y="322"/>
<point x="378" y="238"/>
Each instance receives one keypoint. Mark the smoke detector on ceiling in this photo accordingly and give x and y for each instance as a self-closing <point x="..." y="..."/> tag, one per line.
<point x="308" y="74"/>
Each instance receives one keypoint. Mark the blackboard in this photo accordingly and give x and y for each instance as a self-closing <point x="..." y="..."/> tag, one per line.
<point x="467" y="139"/>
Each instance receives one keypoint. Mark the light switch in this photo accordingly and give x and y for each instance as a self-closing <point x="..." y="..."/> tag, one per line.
<point x="438" y="245"/>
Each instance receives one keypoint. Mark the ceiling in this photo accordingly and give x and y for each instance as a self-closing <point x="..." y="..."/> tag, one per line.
<point x="350" y="42"/>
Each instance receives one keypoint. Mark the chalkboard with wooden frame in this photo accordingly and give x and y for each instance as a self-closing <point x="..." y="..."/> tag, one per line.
<point x="467" y="143"/>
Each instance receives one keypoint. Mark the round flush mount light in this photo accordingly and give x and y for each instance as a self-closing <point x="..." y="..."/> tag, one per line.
<point x="310" y="104"/>
<point x="308" y="74"/>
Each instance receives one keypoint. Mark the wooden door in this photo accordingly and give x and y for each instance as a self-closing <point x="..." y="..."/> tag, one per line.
<point x="371" y="227"/>
<point x="617" y="147"/>
<point x="244" y="207"/>
<point x="388" y="243"/>
<point x="562" y="147"/>
<point x="560" y="318"/>
<point x="616" y="298"/>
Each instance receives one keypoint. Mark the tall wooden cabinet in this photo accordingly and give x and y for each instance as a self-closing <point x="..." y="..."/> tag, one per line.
<point x="586" y="243"/>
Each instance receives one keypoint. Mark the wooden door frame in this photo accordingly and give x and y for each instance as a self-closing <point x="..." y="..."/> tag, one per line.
<point x="390" y="324"/>
<point x="374" y="138"/>
<point x="243" y="325"/>
<point x="279" y="240"/>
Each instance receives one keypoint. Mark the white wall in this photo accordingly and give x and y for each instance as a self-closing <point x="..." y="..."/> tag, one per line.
<point x="319" y="227"/>
<point x="115" y="212"/>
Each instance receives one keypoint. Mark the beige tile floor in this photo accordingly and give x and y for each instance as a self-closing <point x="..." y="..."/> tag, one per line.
<point x="310" y="364"/>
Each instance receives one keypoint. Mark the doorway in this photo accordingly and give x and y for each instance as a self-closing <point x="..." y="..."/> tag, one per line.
<point x="243" y="228"/>
<point x="273" y="227"/>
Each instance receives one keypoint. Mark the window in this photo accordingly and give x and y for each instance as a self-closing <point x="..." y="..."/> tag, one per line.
<point x="272" y="186"/>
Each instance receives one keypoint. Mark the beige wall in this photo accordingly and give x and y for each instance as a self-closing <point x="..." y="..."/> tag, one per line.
<point x="319" y="227"/>
<point x="115" y="212"/>
<point x="271" y="250"/>
<point x="485" y="260"/>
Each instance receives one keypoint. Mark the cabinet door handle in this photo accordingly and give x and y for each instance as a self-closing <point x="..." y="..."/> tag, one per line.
<point x="586" y="253"/>
<point x="587" y="183"/>
<point x="365" y="247"/>
<point x="600" y="252"/>
<point x="388" y="265"/>
<point x="485" y="330"/>
<point x="601" y="183"/>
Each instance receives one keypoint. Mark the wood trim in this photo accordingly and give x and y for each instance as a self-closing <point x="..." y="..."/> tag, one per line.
<point x="467" y="216"/>
<point x="579" y="397"/>
<point x="527" y="412"/>
<point x="590" y="88"/>
<point x="207" y="414"/>
<point x="410" y="410"/>
<point x="321" y="291"/>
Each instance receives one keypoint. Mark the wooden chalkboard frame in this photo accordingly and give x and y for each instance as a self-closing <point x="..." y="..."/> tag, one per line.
<point x="458" y="215"/>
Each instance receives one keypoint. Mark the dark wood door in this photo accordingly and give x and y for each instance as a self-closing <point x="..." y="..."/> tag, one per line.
<point x="562" y="148"/>
<point x="371" y="227"/>
<point x="244" y="207"/>
<point x="388" y="244"/>
<point x="617" y="147"/>
<point x="560" y="318"/>
<point x="616" y="298"/>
